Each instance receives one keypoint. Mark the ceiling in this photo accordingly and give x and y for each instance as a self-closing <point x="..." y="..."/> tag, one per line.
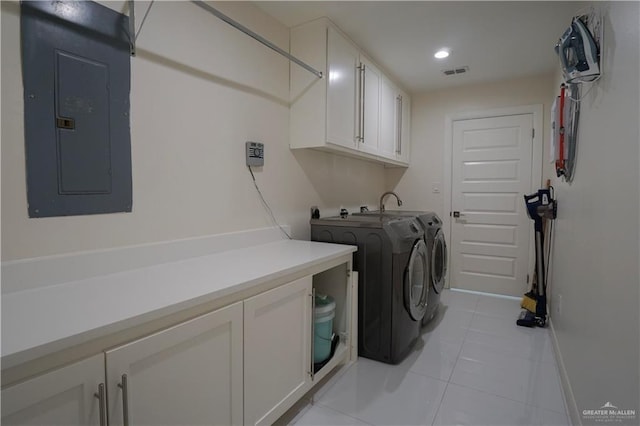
<point x="496" y="40"/>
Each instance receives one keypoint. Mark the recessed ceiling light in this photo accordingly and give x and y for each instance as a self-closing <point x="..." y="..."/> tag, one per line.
<point x="441" y="54"/>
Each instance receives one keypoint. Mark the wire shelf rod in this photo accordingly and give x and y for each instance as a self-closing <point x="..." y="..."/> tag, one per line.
<point x="256" y="36"/>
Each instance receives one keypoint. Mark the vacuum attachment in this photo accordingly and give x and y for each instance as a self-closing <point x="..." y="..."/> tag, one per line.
<point x="528" y="319"/>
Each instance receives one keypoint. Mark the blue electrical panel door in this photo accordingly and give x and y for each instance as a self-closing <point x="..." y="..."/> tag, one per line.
<point x="82" y="125"/>
<point x="76" y="72"/>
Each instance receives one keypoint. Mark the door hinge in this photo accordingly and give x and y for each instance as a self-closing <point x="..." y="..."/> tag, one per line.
<point x="533" y="133"/>
<point x="527" y="278"/>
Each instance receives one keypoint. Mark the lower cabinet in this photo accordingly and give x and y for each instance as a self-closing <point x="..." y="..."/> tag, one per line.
<point x="71" y="395"/>
<point x="277" y="357"/>
<point x="190" y="374"/>
<point x="246" y="363"/>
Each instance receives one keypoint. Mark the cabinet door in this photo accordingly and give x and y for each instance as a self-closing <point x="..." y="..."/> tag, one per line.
<point x="277" y="352"/>
<point x="62" y="397"/>
<point x="370" y="115"/>
<point x="388" y="119"/>
<point x="342" y="58"/>
<point x="189" y="374"/>
<point x="403" y="142"/>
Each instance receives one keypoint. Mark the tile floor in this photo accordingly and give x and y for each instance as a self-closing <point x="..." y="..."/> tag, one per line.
<point x="472" y="366"/>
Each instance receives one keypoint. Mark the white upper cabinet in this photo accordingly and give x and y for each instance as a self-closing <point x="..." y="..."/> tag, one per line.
<point x="394" y="123"/>
<point x="388" y="119"/>
<point x="344" y="111"/>
<point x="403" y="124"/>
<point x="342" y="90"/>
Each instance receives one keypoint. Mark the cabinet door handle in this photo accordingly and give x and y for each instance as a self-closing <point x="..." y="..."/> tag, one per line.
<point x="399" y="126"/>
<point x="313" y="329"/>
<point x="362" y="104"/>
<point x="400" y="123"/>
<point x="125" y="400"/>
<point x="358" y="103"/>
<point x="102" y="404"/>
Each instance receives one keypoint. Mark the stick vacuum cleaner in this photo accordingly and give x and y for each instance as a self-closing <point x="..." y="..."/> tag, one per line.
<point x="540" y="207"/>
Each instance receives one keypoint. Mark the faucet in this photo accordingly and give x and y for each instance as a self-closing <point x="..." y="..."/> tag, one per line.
<point x="384" y="195"/>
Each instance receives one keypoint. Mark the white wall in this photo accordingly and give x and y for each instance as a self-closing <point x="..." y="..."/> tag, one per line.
<point x="594" y="274"/>
<point x="199" y="90"/>
<point x="414" y="185"/>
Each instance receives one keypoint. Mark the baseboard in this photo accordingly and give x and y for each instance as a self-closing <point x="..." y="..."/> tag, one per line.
<point x="569" y="398"/>
<point x="25" y="274"/>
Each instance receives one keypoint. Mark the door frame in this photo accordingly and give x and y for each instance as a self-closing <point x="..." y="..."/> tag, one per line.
<point x="537" y="110"/>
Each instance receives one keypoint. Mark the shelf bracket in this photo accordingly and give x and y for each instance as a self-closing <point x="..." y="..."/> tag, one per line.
<point x="132" y="28"/>
<point x="132" y="25"/>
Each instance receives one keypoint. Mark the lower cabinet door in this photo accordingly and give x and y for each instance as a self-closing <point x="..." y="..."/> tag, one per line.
<point x="189" y="374"/>
<point x="277" y="351"/>
<point x="70" y="395"/>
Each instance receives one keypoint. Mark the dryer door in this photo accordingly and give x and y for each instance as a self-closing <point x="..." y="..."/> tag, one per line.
<point x="416" y="281"/>
<point x="438" y="261"/>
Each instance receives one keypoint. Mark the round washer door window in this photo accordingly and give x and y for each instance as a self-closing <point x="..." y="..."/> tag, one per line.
<point x="416" y="281"/>
<point x="438" y="261"/>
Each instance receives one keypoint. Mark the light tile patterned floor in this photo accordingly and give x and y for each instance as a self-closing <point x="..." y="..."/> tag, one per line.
<point x="472" y="366"/>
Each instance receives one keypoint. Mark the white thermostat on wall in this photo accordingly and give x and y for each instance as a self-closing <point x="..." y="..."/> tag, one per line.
<point x="255" y="154"/>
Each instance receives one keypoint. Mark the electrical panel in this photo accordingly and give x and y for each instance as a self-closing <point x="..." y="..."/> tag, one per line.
<point x="76" y="74"/>
<point x="255" y="154"/>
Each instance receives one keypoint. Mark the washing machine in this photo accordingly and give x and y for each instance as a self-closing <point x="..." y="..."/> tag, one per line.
<point x="392" y="263"/>
<point x="436" y="252"/>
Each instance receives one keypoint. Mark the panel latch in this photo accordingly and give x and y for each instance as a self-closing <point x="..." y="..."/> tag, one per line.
<point x="65" y="123"/>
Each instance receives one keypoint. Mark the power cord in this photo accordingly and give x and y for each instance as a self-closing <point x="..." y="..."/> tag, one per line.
<point x="266" y="205"/>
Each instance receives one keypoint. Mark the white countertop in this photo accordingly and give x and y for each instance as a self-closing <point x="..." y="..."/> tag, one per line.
<point x="38" y="322"/>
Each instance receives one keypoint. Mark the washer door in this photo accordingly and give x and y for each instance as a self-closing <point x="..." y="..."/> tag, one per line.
<point x="416" y="281"/>
<point x="438" y="261"/>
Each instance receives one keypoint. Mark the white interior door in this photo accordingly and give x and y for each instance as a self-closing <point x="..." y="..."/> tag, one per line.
<point x="491" y="171"/>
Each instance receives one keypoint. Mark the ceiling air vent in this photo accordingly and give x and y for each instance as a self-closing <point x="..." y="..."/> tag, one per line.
<point x="454" y="71"/>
